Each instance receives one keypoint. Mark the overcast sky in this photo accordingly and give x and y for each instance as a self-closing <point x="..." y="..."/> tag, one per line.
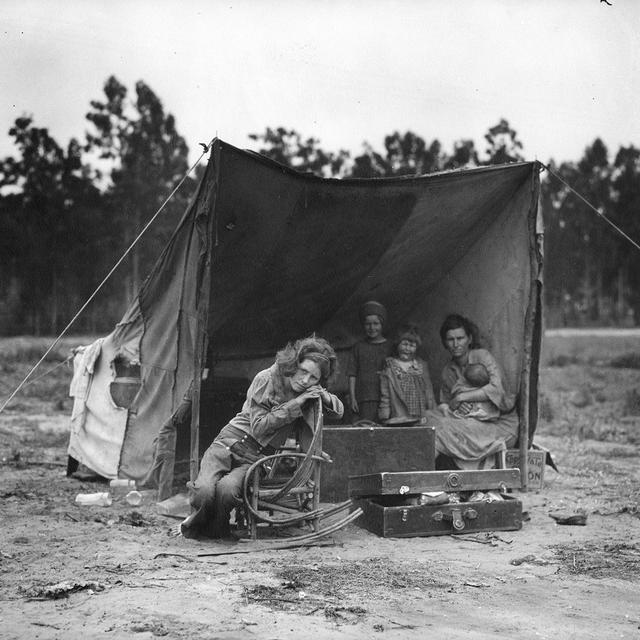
<point x="563" y="72"/>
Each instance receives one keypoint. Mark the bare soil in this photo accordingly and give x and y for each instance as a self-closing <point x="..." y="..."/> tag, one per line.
<point x="68" y="571"/>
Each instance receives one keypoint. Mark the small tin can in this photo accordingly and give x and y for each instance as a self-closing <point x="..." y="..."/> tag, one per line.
<point x="102" y="499"/>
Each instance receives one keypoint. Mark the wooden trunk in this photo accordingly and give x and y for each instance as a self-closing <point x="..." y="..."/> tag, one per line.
<point x="366" y="450"/>
<point x="391" y="502"/>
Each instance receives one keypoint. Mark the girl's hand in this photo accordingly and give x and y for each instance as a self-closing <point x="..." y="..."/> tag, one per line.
<point x="326" y="396"/>
<point x="310" y="394"/>
<point x="316" y="391"/>
<point x="354" y="406"/>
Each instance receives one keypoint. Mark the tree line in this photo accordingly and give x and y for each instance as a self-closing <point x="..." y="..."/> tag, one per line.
<point x="67" y="213"/>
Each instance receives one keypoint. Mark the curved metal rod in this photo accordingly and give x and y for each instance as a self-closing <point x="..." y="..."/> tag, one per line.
<point x="321" y="532"/>
<point x="254" y="469"/>
<point x="303" y="472"/>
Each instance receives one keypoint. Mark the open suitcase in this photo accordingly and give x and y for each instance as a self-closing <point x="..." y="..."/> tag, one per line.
<point x="432" y="503"/>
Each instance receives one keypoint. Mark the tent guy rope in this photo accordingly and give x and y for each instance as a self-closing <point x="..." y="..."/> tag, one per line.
<point x="598" y="211"/>
<point x="106" y="278"/>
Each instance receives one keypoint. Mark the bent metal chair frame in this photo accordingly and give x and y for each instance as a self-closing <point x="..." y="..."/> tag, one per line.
<point x="295" y="499"/>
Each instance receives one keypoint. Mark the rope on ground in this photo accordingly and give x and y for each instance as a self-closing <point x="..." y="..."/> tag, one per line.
<point x="598" y="211"/>
<point x="104" y="280"/>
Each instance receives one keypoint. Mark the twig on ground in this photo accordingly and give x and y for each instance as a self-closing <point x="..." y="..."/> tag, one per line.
<point x="173" y="555"/>
<point x="149" y="585"/>
<point x="403" y="626"/>
<point x="309" y="613"/>
<point x="269" y="548"/>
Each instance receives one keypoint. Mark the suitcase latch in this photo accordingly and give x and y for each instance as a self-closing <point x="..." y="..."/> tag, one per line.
<point x="454" y="481"/>
<point x="456" y="517"/>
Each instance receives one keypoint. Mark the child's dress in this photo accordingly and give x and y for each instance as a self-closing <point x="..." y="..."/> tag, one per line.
<point x="365" y="364"/>
<point x="405" y="393"/>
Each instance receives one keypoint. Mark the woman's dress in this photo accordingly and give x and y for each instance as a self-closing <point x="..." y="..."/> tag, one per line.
<point x="470" y="442"/>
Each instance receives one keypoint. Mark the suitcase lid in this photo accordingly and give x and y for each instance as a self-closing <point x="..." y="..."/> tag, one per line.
<point x="407" y="482"/>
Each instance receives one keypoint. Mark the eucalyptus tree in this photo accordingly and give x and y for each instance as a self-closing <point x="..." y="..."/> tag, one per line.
<point x="290" y="148"/>
<point x="143" y="157"/>
<point x="48" y="214"/>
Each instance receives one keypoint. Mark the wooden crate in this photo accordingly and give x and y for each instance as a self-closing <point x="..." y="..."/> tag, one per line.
<point x="364" y="450"/>
<point x="388" y="502"/>
<point x="536" y="459"/>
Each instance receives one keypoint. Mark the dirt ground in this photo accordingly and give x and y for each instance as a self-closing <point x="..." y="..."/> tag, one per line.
<point x="120" y="579"/>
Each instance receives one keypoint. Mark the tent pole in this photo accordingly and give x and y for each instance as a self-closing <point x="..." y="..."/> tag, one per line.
<point x="531" y="335"/>
<point x="202" y="338"/>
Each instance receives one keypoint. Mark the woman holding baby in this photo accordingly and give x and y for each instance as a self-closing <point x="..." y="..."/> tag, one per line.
<point x="475" y="418"/>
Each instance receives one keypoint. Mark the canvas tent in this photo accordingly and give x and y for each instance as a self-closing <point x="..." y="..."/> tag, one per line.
<point x="265" y="255"/>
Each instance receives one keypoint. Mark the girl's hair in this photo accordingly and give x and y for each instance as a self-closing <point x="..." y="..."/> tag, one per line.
<point x="373" y="308"/>
<point x="408" y="332"/>
<point x="316" y="349"/>
<point x="455" y="321"/>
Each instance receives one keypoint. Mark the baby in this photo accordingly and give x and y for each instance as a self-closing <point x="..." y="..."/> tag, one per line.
<point x="476" y="376"/>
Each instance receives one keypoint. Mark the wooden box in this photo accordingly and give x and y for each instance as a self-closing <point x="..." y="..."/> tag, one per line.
<point x="536" y="459"/>
<point x="365" y="450"/>
<point x="391" y="502"/>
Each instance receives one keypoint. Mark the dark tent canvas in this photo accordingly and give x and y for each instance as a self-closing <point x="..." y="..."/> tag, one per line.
<point x="265" y="255"/>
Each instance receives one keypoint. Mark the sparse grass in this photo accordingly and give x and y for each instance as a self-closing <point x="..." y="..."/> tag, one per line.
<point x="626" y="361"/>
<point x="48" y="386"/>
<point x="326" y="583"/>
<point x="621" y="452"/>
<point x="356" y="577"/>
<point x="588" y="383"/>
<point x="615" y="560"/>
<point x="562" y="360"/>
<point x="632" y="403"/>
<point x="29" y="349"/>
<point x="585" y="347"/>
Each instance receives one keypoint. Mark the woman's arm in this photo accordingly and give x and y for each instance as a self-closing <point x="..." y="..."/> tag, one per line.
<point x="264" y="418"/>
<point x="472" y="395"/>
<point x="331" y="403"/>
<point x="495" y="391"/>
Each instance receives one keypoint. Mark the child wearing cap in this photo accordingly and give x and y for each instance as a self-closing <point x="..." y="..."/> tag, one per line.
<point x="366" y="361"/>
<point x="406" y="391"/>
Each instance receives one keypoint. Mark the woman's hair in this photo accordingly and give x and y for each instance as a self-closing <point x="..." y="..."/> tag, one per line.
<point x="316" y="349"/>
<point x="455" y="321"/>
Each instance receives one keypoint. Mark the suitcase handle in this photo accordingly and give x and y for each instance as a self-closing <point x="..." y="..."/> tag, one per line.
<point x="456" y="517"/>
